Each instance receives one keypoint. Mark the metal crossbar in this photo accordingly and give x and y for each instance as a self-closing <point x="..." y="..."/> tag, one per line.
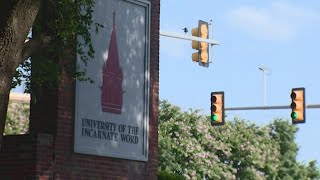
<point x="268" y="107"/>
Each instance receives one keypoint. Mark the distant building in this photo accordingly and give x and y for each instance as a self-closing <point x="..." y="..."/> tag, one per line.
<point x="19" y="97"/>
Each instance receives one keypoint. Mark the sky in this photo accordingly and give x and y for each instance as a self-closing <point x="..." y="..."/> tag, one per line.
<point x="280" y="35"/>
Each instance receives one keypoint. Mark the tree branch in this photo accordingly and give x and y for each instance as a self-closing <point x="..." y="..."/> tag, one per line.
<point x="34" y="45"/>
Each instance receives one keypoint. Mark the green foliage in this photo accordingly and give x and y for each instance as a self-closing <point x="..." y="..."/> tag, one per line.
<point x="253" y="153"/>
<point x="163" y="175"/>
<point x="190" y="146"/>
<point x="23" y="72"/>
<point x="313" y="172"/>
<point x="284" y="134"/>
<point x="67" y="24"/>
<point x="17" y="118"/>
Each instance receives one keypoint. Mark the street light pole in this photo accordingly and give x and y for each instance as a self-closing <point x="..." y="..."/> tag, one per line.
<point x="265" y="71"/>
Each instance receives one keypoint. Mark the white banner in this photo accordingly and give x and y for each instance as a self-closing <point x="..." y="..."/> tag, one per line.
<point x="112" y="115"/>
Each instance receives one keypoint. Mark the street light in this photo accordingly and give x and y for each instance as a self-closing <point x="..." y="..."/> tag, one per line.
<point x="265" y="71"/>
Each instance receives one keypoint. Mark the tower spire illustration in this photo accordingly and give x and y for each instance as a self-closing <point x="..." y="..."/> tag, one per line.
<point x="112" y="96"/>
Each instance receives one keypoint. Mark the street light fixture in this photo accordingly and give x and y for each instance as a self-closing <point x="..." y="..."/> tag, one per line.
<point x="265" y="71"/>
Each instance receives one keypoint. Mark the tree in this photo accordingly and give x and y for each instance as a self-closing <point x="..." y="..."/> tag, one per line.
<point x="190" y="146"/>
<point x="284" y="134"/>
<point x="313" y="172"/>
<point x="180" y="151"/>
<point x="55" y="25"/>
<point x="17" y="118"/>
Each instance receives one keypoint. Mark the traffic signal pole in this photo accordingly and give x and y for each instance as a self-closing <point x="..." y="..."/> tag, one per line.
<point x="185" y="37"/>
<point x="200" y="42"/>
<point x="313" y="106"/>
<point x="309" y="106"/>
<point x="298" y="106"/>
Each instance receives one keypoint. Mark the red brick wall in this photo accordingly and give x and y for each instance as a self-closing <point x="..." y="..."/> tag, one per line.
<point x="43" y="108"/>
<point x="45" y="156"/>
<point x="17" y="157"/>
<point x="152" y="164"/>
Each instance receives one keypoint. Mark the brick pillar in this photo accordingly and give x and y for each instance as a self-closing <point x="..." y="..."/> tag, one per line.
<point x="43" y="104"/>
<point x="152" y="164"/>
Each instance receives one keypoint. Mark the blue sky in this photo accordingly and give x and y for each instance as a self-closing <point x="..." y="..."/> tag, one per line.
<point x="282" y="35"/>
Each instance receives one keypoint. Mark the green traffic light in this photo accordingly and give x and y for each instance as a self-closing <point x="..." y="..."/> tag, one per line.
<point x="294" y="115"/>
<point x="214" y="117"/>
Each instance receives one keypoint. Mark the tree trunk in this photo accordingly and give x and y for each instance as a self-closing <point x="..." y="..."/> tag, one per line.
<point x="4" y="98"/>
<point x="16" y="19"/>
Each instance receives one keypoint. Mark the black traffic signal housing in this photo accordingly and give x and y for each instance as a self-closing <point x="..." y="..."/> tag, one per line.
<point x="217" y="108"/>
<point x="298" y="105"/>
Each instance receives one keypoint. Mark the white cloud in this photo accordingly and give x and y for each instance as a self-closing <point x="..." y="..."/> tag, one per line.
<point x="280" y="21"/>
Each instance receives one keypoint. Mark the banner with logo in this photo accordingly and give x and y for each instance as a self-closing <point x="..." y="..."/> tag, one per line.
<point x="111" y="114"/>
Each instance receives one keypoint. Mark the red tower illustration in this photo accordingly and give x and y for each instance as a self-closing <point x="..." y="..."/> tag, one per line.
<point x="111" y="98"/>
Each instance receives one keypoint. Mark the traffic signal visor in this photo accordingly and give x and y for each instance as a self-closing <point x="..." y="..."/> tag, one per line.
<point x="195" y="45"/>
<point x="204" y="48"/>
<point x="202" y="31"/>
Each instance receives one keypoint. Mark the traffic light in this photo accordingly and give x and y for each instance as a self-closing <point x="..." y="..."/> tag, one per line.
<point x="202" y="56"/>
<point x="298" y="105"/>
<point x="217" y="108"/>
